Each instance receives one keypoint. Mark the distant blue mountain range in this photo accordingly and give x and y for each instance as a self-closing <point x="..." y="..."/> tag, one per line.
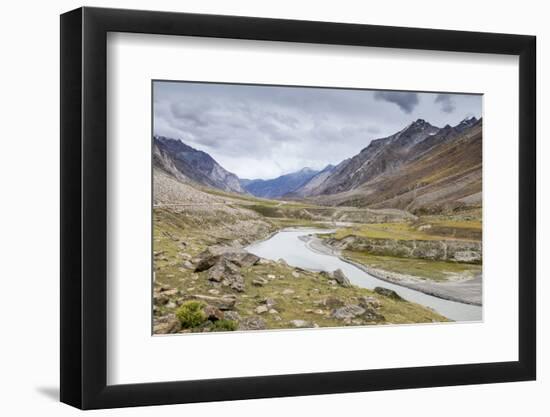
<point x="278" y="187"/>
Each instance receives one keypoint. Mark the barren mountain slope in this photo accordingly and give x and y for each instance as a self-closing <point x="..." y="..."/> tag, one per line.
<point x="445" y="177"/>
<point x="186" y="163"/>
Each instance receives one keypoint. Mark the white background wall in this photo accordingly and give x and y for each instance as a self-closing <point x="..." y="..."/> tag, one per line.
<point x="29" y="101"/>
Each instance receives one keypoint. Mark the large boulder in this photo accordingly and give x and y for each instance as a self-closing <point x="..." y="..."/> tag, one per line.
<point x="245" y="259"/>
<point x="237" y="256"/>
<point x="221" y="269"/>
<point x="388" y="293"/>
<point x="206" y="263"/>
<point x="341" y="278"/>
<point x="227" y="273"/>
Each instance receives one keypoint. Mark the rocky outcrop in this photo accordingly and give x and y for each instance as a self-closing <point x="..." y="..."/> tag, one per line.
<point x="438" y="250"/>
<point x="366" y="311"/>
<point x="388" y="293"/>
<point x="239" y="257"/>
<point x="337" y="277"/>
<point x="341" y="278"/>
<point x="224" y="264"/>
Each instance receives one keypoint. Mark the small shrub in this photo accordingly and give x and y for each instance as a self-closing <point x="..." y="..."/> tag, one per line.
<point x="224" y="326"/>
<point x="190" y="314"/>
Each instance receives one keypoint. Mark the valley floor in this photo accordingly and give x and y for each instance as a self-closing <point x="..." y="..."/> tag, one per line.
<point x="202" y="272"/>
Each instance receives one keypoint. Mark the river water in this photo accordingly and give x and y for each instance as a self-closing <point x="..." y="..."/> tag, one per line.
<point x="287" y="245"/>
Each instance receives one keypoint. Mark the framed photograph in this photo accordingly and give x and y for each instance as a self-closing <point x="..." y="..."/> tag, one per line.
<point x="258" y="208"/>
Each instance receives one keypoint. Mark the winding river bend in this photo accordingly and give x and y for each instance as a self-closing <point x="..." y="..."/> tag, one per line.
<point x="286" y="244"/>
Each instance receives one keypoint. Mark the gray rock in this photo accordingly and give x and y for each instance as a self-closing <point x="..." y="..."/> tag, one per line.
<point x="301" y="324"/>
<point x="332" y="302"/>
<point x="222" y="269"/>
<point x="235" y="282"/>
<point x="213" y="313"/>
<point x="269" y="302"/>
<point x="166" y="324"/>
<point x="226" y="302"/>
<point x="244" y="260"/>
<point x="388" y="293"/>
<point x="160" y="299"/>
<point x="206" y="263"/>
<point x="349" y="311"/>
<point x="259" y="282"/>
<point x="281" y="261"/>
<point x="369" y="302"/>
<point x="237" y="256"/>
<point x="261" y="309"/>
<point x="232" y="315"/>
<point x="252" y="323"/>
<point x="187" y="265"/>
<point x="341" y="278"/>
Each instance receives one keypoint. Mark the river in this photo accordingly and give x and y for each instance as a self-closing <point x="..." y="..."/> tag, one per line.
<point x="286" y="244"/>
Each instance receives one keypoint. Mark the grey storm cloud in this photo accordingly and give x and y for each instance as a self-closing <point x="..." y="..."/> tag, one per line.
<point x="405" y="100"/>
<point x="446" y="102"/>
<point x="266" y="131"/>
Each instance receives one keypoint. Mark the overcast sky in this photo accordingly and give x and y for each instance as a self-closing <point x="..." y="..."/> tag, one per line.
<point x="264" y="132"/>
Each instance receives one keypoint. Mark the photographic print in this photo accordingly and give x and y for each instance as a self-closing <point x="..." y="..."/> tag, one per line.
<point x="297" y="207"/>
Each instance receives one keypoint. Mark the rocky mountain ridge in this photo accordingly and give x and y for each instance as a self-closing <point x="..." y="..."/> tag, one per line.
<point x="188" y="164"/>
<point x="421" y="167"/>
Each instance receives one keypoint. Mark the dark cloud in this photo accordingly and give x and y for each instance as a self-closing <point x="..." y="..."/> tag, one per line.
<point x="265" y="131"/>
<point x="446" y="102"/>
<point x="406" y="101"/>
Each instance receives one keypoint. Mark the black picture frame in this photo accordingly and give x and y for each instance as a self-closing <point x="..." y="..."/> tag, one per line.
<point x="84" y="207"/>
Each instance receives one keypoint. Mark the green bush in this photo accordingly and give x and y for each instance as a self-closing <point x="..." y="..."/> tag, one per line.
<point x="190" y="314"/>
<point x="224" y="326"/>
